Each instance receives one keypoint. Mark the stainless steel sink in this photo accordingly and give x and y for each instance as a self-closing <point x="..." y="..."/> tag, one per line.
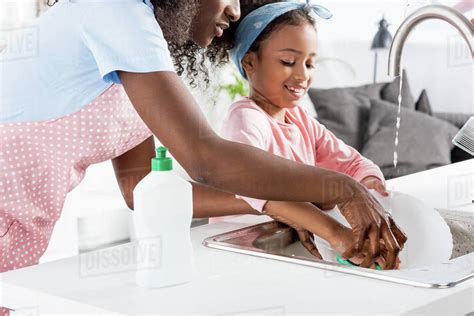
<point x="273" y="240"/>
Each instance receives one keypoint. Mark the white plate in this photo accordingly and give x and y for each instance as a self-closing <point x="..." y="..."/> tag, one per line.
<point x="429" y="238"/>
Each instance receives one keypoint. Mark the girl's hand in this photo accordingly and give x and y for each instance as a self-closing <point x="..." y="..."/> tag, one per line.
<point x="372" y="182"/>
<point x="305" y="236"/>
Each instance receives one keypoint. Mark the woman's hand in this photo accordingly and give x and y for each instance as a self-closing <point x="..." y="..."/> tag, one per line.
<point x="343" y="239"/>
<point x="370" y="182"/>
<point x="372" y="225"/>
<point x="374" y="183"/>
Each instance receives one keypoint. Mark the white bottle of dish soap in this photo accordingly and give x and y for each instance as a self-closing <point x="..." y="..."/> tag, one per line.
<point x="163" y="213"/>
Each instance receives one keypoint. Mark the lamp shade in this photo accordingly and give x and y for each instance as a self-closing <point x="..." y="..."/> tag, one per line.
<point x="383" y="38"/>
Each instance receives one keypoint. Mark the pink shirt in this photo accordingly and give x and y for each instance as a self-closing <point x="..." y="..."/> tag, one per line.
<point x="303" y="140"/>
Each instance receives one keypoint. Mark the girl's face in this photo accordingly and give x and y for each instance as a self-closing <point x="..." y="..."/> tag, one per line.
<point x="213" y="18"/>
<point x="281" y="72"/>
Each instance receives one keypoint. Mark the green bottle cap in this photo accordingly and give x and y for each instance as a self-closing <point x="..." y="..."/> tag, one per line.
<point x="161" y="162"/>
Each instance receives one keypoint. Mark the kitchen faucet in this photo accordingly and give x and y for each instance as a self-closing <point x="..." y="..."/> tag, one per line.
<point x="448" y="14"/>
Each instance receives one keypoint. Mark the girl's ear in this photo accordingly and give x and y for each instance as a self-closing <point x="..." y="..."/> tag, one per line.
<point x="248" y="63"/>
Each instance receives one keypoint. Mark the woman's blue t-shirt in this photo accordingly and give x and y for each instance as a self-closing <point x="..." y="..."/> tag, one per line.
<point x="72" y="53"/>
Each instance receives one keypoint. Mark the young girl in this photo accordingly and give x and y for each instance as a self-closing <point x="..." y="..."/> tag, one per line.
<point x="275" y="50"/>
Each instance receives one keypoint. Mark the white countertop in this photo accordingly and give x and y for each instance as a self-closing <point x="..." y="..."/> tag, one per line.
<point x="449" y="187"/>
<point x="230" y="283"/>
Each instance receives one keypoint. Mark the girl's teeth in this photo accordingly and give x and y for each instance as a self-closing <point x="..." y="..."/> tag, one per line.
<point x="295" y="90"/>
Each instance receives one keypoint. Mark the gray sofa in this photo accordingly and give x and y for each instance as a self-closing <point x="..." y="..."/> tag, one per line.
<point x="365" y="118"/>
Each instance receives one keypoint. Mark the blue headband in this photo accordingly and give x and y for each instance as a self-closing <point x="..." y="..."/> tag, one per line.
<point x="255" y="22"/>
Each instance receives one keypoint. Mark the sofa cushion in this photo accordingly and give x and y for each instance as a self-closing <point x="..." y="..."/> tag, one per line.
<point x="391" y="91"/>
<point x="424" y="141"/>
<point x="371" y="91"/>
<point x="458" y="119"/>
<point x="344" y="111"/>
<point x="423" y="103"/>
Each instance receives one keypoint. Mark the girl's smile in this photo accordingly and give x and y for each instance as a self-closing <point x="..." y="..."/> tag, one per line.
<point x="296" y="91"/>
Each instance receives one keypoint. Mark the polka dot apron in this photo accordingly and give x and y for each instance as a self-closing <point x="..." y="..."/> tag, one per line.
<point x="40" y="162"/>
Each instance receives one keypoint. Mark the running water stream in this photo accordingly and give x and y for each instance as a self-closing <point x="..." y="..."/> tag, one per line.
<point x="397" y="125"/>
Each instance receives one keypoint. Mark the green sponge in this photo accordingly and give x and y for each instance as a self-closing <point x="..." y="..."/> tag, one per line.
<point x="346" y="262"/>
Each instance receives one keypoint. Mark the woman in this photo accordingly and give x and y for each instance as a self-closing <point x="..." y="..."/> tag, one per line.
<point x="73" y="110"/>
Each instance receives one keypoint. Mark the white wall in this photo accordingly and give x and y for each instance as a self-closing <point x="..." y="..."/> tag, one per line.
<point x="15" y="12"/>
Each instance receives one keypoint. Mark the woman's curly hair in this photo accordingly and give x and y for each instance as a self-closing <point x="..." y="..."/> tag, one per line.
<point x="175" y="19"/>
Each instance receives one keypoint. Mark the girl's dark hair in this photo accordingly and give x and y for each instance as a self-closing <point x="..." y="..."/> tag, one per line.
<point x="294" y="17"/>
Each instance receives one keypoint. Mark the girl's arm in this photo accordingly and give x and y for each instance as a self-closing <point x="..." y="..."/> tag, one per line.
<point x="309" y="217"/>
<point x="132" y="166"/>
<point x="210" y="202"/>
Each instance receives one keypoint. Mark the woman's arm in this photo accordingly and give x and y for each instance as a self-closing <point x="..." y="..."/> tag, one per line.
<point x="132" y="166"/>
<point x="169" y="110"/>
